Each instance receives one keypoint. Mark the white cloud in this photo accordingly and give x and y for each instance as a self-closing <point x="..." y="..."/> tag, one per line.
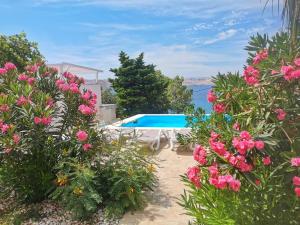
<point x="181" y="60"/>
<point x="222" y="36"/>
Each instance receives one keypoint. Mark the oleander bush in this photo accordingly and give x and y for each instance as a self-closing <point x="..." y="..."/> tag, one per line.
<point x="50" y="147"/>
<point x="248" y="149"/>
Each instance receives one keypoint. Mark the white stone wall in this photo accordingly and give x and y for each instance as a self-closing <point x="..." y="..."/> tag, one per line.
<point x="107" y="113"/>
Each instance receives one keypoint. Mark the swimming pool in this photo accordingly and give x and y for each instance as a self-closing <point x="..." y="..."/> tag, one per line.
<point x="159" y="121"/>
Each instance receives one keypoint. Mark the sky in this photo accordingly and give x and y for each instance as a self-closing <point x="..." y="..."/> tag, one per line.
<point x="191" y="38"/>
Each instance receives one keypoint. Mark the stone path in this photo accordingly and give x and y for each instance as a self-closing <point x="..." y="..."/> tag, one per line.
<point x="162" y="208"/>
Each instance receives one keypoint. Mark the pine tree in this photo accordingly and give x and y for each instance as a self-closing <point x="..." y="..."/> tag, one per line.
<point x="180" y="97"/>
<point x="138" y="87"/>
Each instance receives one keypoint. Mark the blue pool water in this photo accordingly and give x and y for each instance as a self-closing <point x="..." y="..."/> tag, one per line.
<point x="172" y="121"/>
<point x="165" y="120"/>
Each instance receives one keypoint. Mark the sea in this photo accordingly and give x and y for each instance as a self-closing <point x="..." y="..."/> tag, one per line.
<point x="199" y="97"/>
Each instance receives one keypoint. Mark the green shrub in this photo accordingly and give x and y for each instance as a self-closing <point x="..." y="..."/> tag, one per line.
<point x="126" y="174"/>
<point x="77" y="188"/>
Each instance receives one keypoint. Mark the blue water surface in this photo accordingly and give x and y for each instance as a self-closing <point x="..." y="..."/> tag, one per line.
<point x="172" y="121"/>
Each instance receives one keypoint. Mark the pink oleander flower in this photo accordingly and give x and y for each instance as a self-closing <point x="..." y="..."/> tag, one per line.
<point x="260" y="56"/>
<point x="259" y="145"/>
<point x="214" y="135"/>
<point x="4" y="128"/>
<point x="68" y="75"/>
<point x="86" y="96"/>
<point x="274" y="72"/>
<point x="82" y="135"/>
<point x="9" y="66"/>
<point x="211" y="97"/>
<point x="37" y="120"/>
<point x="267" y="160"/>
<point x="4" y="108"/>
<point x="251" y="75"/>
<point x="295" y="161"/>
<point x="297" y="62"/>
<point x="87" y="147"/>
<point x="257" y="182"/>
<point x="50" y="102"/>
<point x="74" y="88"/>
<point x="222" y="183"/>
<point x="16" y="138"/>
<point x="245" y="135"/>
<point x="86" y="110"/>
<point x="281" y="114"/>
<point x="59" y="82"/>
<point x="22" y="101"/>
<point x="295" y="74"/>
<point x="236" y="126"/>
<point x="242" y="147"/>
<point x="31" y="80"/>
<point x="81" y="80"/>
<point x="235" y="185"/>
<point x="296" y="181"/>
<point x="233" y="160"/>
<point x="46" y="121"/>
<point x="7" y="150"/>
<point x="31" y="68"/>
<point x="287" y="72"/>
<point x="64" y="87"/>
<point x="218" y="147"/>
<point x="297" y="191"/>
<point x="3" y="71"/>
<point x="193" y="175"/>
<point x="213" y="170"/>
<point x="219" y="108"/>
<point x="200" y="155"/>
<point x="244" y="167"/>
<point x="22" y="77"/>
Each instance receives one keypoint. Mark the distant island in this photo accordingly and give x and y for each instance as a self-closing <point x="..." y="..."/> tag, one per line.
<point x="188" y="82"/>
<point x="197" y="81"/>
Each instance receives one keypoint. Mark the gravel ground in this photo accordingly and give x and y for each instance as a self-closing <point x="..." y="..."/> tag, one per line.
<point x="48" y="213"/>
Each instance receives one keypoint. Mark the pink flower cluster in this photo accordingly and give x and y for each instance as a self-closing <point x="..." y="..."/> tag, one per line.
<point x="251" y="75"/>
<point x="16" y="138"/>
<point x="291" y="72"/>
<point x="7" y="67"/>
<point x="32" y="68"/>
<point x="211" y="97"/>
<point x="281" y="114"/>
<point x="193" y="175"/>
<point x="86" y="110"/>
<point x="260" y="56"/>
<point x="91" y="99"/>
<point x="222" y="182"/>
<point x="296" y="180"/>
<point x="72" y="85"/>
<point x="22" y="101"/>
<point x="4" y="108"/>
<point x="200" y="155"/>
<point x="219" y="108"/>
<point x="2" y="71"/>
<point x="24" y="77"/>
<point x="82" y="136"/>
<point x="4" y="127"/>
<point x="295" y="161"/>
<point x="42" y="120"/>
<point x="244" y="143"/>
